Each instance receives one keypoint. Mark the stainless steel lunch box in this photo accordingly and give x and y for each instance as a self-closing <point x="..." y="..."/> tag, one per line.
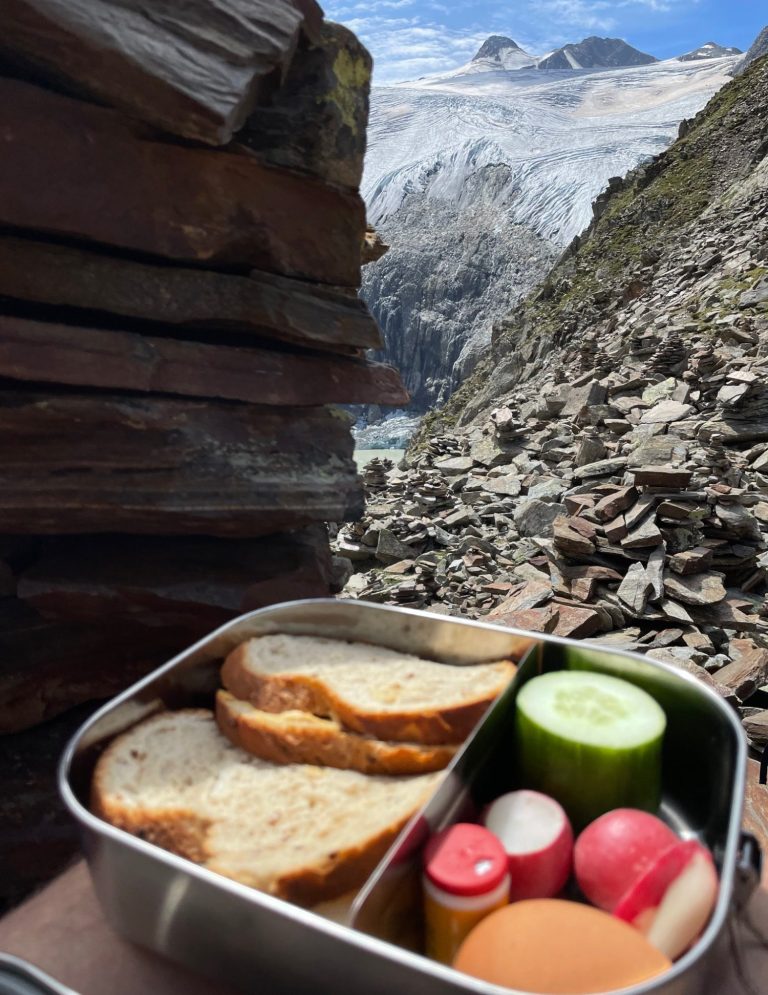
<point x="260" y="943"/>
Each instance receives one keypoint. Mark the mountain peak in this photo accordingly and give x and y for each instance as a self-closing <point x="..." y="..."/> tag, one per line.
<point x="493" y="46"/>
<point x="596" y="53"/>
<point x="709" y="50"/>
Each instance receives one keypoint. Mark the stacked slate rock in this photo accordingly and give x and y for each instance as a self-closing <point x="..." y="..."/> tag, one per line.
<point x="179" y="264"/>
<point x="623" y="509"/>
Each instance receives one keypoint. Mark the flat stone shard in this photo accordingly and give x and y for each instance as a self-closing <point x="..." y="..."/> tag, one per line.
<point x="756" y="727"/>
<point x="663" y="476"/>
<point x="576" y="622"/>
<point x="612" y="505"/>
<point x="455" y="464"/>
<point x="531" y="594"/>
<point x="571" y="540"/>
<point x="645" y="534"/>
<point x="654" y="569"/>
<point x="543" y="619"/>
<point x="390" y="550"/>
<point x="692" y="561"/>
<point x="577" y="398"/>
<point x="666" y="412"/>
<point x="193" y="70"/>
<point x="505" y="486"/>
<point x="616" y="530"/>
<point x="698" y="589"/>
<point x="745" y="675"/>
<point x="602" y="468"/>
<point x="658" y="450"/>
<point x="635" y="588"/>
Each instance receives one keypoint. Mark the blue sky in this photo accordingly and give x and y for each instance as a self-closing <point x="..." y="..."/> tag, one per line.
<point x="411" y="38"/>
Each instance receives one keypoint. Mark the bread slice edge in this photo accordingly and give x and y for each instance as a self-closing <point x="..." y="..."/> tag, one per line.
<point x="282" y="739"/>
<point x="283" y="692"/>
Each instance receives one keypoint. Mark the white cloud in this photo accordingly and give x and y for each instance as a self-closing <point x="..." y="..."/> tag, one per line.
<point x="412" y="38"/>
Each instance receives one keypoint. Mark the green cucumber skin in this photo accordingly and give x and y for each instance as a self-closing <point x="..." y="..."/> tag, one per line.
<point x="587" y="780"/>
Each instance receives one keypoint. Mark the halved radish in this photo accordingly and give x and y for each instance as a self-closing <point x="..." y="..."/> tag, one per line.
<point x="673" y="900"/>
<point x="536" y="834"/>
<point x="591" y="741"/>
<point x="615" y="851"/>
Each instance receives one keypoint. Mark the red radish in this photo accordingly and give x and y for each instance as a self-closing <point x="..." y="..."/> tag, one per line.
<point x="673" y="900"/>
<point x="538" y="839"/>
<point x="614" y="851"/>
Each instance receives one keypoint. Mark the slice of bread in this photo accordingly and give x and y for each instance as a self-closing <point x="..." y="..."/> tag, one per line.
<point x="304" y="833"/>
<point x="299" y="737"/>
<point x="368" y="689"/>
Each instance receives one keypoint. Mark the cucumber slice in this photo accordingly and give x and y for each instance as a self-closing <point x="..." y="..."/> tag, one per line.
<point x="591" y="741"/>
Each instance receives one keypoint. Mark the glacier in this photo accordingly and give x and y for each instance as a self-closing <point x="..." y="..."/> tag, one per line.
<point x="478" y="178"/>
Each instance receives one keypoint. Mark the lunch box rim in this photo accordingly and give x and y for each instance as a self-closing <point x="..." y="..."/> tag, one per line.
<point x="345" y="933"/>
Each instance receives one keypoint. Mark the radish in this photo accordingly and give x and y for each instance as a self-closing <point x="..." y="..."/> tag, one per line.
<point x="614" y="852"/>
<point x="591" y="741"/>
<point x="673" y="900"/>
<point x="537" y="837"/>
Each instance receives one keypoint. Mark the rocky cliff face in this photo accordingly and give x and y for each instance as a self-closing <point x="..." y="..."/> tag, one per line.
<point x="757" y="49"/>
<point x="451" y="271"/>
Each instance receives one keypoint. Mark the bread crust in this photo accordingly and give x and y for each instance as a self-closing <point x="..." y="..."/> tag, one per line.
<point x="282" y="692"/>
<point x="323" y="743"/>
<point x="189" y="834"/>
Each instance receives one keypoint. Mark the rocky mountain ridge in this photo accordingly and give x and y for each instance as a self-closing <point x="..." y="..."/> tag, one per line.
<point x="605" y="473"/>
<point x="500" y="52"/>
<point x="596" y="53"/>
<point x="757" y="49"/>
<point x="710" y="50"/>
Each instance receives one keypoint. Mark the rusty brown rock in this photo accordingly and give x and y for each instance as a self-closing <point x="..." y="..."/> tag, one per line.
<point x="570" y="537"/>
<point x="530" y="619"/>
<point x="575" y="504"/>
<point x="663" y="476"/>
<point x="194" y="70"/>
<point x="583" y="588"/>
<point x="691" y="561"/>
<point x="634" y="515"/>
<point x="576" y="622"/>
<point x="613" y="504"/>
<point x="745" y="675"/>
<point x="118" y="186"/>
<point x="102" y="463"/>
<point x="596" y="572"/>
<point x="260" y="305"/>
<point x="616" y="530"/>
<point x="531" y="594"/>
<point x="374" y="246"/>
<point x="87" y="357"/>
